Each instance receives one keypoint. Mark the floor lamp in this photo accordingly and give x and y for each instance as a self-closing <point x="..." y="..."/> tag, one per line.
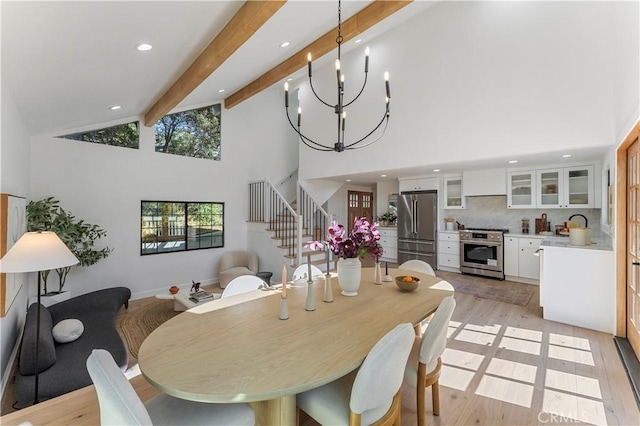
<point x="36" y="252"/>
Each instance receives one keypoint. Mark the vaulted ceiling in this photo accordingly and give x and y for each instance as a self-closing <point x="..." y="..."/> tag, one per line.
<point x="66" y="63"/>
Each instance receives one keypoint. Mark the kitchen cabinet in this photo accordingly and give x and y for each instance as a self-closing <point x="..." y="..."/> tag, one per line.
<point x="449" y="250"/>
<point x="569" y="187"/>
<point x="520" y="260"/>
<point x="453" y="198"/>
<point x="521" y="189"/>
<point x="577" y="286"/>
<point x="389" y="242"/>
<point x="420" y="184"/>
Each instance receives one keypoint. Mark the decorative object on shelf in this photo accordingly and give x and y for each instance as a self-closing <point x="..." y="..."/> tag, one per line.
<point x="407" y="282"/>
<point x="36" y="252"/>
<point x="350" y="248"/>
<point x="377" y="274"/>
<point x="78" y="235"/>
<point x="174" y="289"/>
<point x="449" y="224"/>
<point x="195" y="287"/>
<point x="387" y="278"/>
<point x="340" y="108"/>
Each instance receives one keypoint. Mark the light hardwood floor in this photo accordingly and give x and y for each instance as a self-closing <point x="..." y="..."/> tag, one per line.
<point x="504" y="365"/>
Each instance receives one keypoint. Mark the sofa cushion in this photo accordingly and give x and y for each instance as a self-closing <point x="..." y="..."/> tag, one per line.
<point x="67" y="330"/>
<point x="46" y="348"/>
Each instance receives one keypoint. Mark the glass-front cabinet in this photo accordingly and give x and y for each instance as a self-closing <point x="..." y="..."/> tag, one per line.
<point x="521" y="190"/>
<point x="453" y="198"/>
<point x="569" y="187"/>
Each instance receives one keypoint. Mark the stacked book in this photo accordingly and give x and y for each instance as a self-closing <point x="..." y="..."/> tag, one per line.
<point x="201" y="296"/>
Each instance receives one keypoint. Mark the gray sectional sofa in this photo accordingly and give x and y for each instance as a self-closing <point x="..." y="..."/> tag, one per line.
<point x="62" y="366"/>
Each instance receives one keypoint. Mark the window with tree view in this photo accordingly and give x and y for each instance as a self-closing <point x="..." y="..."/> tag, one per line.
<point x="123" y="135"/>
<point x="192" y="133"/>
<point x="170" y="226"/>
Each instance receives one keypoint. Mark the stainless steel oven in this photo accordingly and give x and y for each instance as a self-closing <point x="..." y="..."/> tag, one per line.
<point x="481" y="252"/>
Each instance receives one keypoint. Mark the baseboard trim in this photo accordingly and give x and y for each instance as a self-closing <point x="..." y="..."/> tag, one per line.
<point x="11" y="365"/>
<point x="631" y="365"/>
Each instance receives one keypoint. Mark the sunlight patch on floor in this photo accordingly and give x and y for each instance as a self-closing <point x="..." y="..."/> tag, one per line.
<point x="572" y="355"/>
<point x="455" y="378"/>
<point x="574" y="407"/>
<point x="462" y="359"/>
<point x="506" y="390"/>
<point x="475" y="337"/>
<point x="569" y="341"/>
<point x="512" y="370"/>
<point x="523" y="333"/>
<point x="518" y="345"/>
<point x="573" y="383"/>
<point x="491" y="329"/>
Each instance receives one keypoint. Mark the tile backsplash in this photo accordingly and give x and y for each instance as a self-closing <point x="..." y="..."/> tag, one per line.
<point x="492" y="212"/>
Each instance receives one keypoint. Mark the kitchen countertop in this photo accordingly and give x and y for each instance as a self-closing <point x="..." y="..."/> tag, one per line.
<point x="555" y="241"/>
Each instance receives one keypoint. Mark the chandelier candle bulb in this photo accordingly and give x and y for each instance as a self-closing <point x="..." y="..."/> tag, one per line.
<point x="386" y="86"/>
<point x="344" y="119"/>
<point x="286" y="95"/>
<point x="366" y="60"/>
<point x="309" y="63"/>
<point x="299" y="115"/>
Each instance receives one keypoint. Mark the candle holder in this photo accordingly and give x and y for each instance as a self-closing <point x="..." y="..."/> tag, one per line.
<point x="377" y="275"/>
<point x="310" y="305"/>
<point x="387" y="278"/>
<point x="328" y="291"/>
<point x="284" y="308"/>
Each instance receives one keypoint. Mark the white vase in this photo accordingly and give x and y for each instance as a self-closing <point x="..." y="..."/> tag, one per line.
<point x="349" y="274"/>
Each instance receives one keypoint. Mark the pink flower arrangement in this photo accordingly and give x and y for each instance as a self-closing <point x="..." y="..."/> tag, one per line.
<point x="362" y="240"/>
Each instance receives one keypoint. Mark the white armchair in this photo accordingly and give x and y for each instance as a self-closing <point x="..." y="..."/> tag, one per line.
<point x="235" y="264"/>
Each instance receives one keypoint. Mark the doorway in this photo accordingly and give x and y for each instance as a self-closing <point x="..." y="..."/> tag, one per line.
<point x="359" y="204"/>
<point x="632" y="249"/>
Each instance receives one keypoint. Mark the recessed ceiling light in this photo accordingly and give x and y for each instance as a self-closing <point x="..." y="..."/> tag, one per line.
<point x="115" y="107"/>
<point x="290" y="79"/>
<point x="436" y="170"/>
<point x="383" y="175"/>
<point x="143" y="47"/>
<point x="221" y="91"/>
<point x="285" y="44"/>
<point x="358" y="40"/>
<point x="348" y="180"/>
<point x="566" y="155"/>
<point x="513" y="161"/>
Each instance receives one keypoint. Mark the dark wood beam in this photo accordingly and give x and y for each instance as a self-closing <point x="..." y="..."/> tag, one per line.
<point x="360" y="22"/>
<point x="251" y="16"/>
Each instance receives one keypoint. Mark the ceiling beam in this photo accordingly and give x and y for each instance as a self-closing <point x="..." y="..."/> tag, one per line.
<point x="360" y="22"/>
<point x="251" y="16"/>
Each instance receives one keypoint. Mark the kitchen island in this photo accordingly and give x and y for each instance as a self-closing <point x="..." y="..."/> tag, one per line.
<point x="577" y="283"/>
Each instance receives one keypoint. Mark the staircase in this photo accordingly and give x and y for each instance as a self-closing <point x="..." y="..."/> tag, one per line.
<point x="290" y="225"/>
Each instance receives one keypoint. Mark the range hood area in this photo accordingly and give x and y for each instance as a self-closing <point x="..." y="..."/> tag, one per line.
<point x="484" y="182"/>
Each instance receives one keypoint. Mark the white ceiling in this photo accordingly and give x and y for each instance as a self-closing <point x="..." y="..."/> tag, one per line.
<point x="67" y="62"/>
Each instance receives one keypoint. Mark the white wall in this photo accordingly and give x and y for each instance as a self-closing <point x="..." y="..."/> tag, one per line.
<point x="14" y="179"/>
<point x="472" y="80"/>
<point x="104" y="185"/>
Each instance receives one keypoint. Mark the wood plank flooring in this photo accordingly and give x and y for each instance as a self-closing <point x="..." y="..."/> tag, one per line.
<point x="504" y="365"/>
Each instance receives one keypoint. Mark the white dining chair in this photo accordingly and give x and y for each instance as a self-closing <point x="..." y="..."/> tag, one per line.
<point x="368" y="395"/>
<point x="423" y="367"/>
<point x="302" y="271"/>
<point x="242" y="284"/>
<point x="418" y="266"/>
<point x="120" y="405"/>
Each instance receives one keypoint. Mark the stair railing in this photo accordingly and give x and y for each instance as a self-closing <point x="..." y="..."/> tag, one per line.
<point x="313" y="218"/>
<point x="266" y="204"/>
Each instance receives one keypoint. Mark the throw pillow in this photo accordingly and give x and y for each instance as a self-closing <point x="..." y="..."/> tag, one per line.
<point x="67" y="330"/>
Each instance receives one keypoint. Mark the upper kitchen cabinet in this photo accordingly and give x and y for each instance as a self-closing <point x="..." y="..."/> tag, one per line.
<point x="453" y="198"/>
<point x="420" y="184"/>
<point x="521" y="189"/>
<point x="569" y="187"/>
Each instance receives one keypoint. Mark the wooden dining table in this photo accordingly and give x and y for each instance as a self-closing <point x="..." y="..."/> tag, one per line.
<point x="238" y="350"/>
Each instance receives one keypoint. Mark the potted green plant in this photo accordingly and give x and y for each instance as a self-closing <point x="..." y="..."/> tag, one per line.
<point x="78" y="235"/>
<point x="387" y="218"/>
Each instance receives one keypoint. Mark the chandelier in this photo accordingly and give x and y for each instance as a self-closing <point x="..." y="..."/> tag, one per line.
<point x="340" y="107"/>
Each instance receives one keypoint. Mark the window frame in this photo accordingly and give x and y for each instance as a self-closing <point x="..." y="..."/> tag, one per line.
<point x="185" y="241"/>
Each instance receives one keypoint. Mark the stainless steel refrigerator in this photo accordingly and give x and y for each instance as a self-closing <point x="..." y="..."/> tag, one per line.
<point x="417" y="216"/>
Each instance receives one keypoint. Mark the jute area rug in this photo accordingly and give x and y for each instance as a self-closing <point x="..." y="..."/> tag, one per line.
<point x="137" y="324"/>
<point x="488" y="288"/>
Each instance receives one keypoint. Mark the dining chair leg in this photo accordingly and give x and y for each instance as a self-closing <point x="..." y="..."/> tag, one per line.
<point x="435" y="397"/>
<point x="420" y="394"/>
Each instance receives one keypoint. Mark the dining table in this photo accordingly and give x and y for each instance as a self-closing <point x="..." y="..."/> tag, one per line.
<point x="237" y="349"/>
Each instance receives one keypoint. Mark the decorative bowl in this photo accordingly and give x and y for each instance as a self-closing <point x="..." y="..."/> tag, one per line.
<point x="404" y="284"/>
<point x="174" y="289"/>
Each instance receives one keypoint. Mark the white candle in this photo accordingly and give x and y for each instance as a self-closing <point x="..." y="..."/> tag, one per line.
<point x="328" y="257"/>
<point x="309" y="267"/>
<point x="284" y="280"/>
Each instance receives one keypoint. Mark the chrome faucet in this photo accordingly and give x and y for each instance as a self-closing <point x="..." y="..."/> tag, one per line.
<point x="586" y="222"/>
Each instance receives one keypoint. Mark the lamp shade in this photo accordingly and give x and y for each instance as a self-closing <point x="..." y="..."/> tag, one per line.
<point x="37" y="251"/>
